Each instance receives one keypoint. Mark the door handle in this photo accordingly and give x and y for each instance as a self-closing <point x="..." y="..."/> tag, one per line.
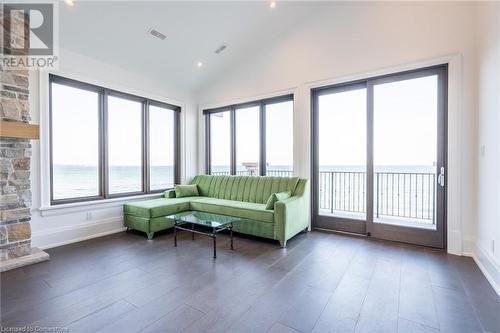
<point x="441" y="177"/>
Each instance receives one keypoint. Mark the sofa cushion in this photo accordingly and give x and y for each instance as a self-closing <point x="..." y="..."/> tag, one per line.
<point x="275" y="197"/>
<point x="182" y="191"/>
<point x="157" y="207"/>
<point x="247" y="210"/>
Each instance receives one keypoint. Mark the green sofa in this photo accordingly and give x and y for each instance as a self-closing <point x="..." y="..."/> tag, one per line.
<point x="241" y="196"/>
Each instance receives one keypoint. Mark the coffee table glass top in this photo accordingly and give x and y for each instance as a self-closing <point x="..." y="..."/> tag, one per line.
<point x="205" y="219"/>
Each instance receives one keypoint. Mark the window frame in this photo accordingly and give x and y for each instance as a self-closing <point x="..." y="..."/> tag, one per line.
<point x="262" y="130"/>
<point x="103" y="174"/>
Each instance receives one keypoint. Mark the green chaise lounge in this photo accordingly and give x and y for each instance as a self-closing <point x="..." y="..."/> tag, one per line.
<point x="241" y="196"/>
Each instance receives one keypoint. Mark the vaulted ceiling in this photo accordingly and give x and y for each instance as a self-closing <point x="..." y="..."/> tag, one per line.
<point x="116" y="32"/>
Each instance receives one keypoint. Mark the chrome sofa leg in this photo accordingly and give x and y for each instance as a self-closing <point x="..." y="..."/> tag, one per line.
<point x="128" y="229"/>
<point x="283" y="244"/>
<point x="150" y="235"/>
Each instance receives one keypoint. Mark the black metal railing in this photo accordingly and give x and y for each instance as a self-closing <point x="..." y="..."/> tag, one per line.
<point x="406" y="195"/>
<point x="410" y="195"/>
<point x="341" y="191"/>
<point x="396" y="194"/>
<point x="220" y="173"/>
<point x="276" y="173"/>
<point x="279" y="173"/>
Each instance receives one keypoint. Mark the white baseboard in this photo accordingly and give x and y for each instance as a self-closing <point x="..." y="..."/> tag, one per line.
<point x="76" y="233"/>
<point x="489" y="266"/>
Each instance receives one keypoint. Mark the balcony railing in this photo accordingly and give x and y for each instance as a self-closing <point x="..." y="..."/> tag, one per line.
<point x="220" y="173"/>
<point x="341" y="191"/>
<point x="280" y="173"/>
<point x="275" y="173"/>
<point x="401" y="195"/>
<point x="406" y="195"/>
<point x="396" y="194"/>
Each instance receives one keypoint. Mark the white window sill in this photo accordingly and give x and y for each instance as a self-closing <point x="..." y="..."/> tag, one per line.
<point x="92" y="205"/>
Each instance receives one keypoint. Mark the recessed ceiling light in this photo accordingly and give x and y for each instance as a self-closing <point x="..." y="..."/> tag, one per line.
<point x="272" y="4"/>
<point x="199" y="64"/>
<point x="69" y="2"/>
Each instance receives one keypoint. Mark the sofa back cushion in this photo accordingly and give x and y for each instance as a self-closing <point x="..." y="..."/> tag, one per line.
<point x="244" y="188"/>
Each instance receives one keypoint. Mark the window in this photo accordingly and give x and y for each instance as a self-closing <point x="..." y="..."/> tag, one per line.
<point x="109" y="144"/>
<point x="279" y="138"/>
<point x="248" y="141"/>
<point x="220" y="143"/>
<point x="253" y="139"/>
<point x="75" y="142"/>
<point x="124" y="145"/>
<point x="162" y="147"/>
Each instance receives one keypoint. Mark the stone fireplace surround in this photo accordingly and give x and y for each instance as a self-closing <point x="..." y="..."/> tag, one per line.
<point x="15" y="164"/>
<point x="15" y="186"/>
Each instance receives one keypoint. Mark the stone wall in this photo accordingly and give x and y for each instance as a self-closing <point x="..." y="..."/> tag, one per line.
<point x="15" y="154"/>
<point x="15" y="198"/>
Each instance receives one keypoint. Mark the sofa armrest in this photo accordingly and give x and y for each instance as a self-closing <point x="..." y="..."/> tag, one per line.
<point x="291" y="217"/>
<point x="169" y="194"/>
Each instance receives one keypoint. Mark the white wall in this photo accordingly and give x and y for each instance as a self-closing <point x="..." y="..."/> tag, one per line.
<point x="355" y="40"/>
<point x="487" y="251"/>
<point x="65" y="224"/>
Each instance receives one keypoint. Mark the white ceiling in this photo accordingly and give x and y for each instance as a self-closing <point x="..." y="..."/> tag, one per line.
<point x="115" y="32"/>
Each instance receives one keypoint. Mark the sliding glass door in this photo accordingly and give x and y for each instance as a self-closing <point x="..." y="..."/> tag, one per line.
<point x="379" y="157"/>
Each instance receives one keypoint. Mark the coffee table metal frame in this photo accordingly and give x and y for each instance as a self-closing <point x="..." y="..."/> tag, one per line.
<point x="178" y="225"/>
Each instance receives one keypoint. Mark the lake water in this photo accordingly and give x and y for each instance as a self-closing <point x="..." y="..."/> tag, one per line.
<point x="71" y="181"/>
<point x="74" y="181"/>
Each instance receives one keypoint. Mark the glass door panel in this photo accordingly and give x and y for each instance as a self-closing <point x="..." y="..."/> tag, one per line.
<point x="408" y="146"/>
<point x="341" y="145"/>
<point x="405" y="152"/>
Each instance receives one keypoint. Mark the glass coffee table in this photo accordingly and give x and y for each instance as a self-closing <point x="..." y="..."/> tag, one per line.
<point x="214" y="222"/>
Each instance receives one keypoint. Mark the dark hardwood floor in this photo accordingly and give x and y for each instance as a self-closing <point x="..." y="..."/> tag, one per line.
<point x="321" y="283"/>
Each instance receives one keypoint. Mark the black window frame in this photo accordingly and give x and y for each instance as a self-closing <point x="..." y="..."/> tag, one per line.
<point x="262" y="103"/>
<point x="103" y="177"/>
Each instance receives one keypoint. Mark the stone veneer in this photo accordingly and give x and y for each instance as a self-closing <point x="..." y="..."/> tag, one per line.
<point x="15" y="197"/>
<point x="15" y="154"/>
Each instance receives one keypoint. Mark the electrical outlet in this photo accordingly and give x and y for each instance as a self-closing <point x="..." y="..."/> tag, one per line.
<point x="483" y="150"/>
<point x="89" y="216"/>
<point x="493" y="245"/>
